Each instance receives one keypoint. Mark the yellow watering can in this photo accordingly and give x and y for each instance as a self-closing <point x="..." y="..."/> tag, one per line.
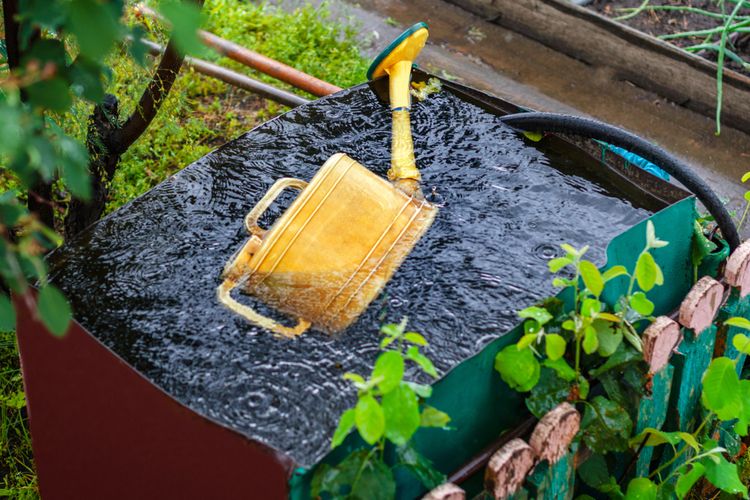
<point x="340" y="241"/>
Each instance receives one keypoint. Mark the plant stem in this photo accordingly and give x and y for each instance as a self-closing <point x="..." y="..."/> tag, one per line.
<point x="693" y="10"/>
<point x="635" y="12"/>
<point x="682" y="451"/>
<point x="720" y="65"/>
<point x="362" y="467"/>
<point x="744" y="215"/>
<point x="711" y="46"/>
<point x="712" y="31"/>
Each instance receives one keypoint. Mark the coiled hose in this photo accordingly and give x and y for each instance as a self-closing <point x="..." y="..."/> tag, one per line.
<point x="594" y="129"/>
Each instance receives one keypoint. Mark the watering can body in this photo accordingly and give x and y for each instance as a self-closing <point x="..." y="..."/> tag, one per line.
<point x="331" y="252"/>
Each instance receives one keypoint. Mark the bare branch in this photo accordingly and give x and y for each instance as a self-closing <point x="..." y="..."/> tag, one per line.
<point x="152" y="99"/>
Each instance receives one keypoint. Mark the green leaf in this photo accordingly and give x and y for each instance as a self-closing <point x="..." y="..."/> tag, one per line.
<point x="613" y="272"/>
<point x="531" y="326"/>
<point x="416" y="339"/>
<point x="389" y="367"/>
<point x="539" y="314"/>
<point x="432" y="417"/>
<point x="421" y="390"/>
<point x="423" y="361"/>
<point x="590" y="307"/>
<point x="54" y="310"/>
<point x="721" y="389"/>
<point x="558" y="263"/>
<point x="548" y="393"/>
<point x="741" y="342"/>
<point x="562" y="282"/>
<point x="746" y="176"/>
<point x="357" y="379"/>
<point x="86" y="79"/>
<point x="386" y="342"/>
<point x="526" y="341"/>
<point x="370" y="419"/>
<point x="401" y="410"/>
<point x="738" y="322"/>
<point x="339" y="480"/>
<point x="646" y="271"/>
<point x="392" y="330"/>
<point x="562" y="368"/>
<point x="690" y="440"/>
<point x="52" y="94"/>
<point x="641" y="488"/>
<point x="685" y="482"/>
<point x="622" y="356"/>
<point x="418" y="465"/>
<point x="95" y="26"/>
<point x="554" y="345"/>
<point x="518" y="368"/>
<point x="375" y="482"/>
<point x="723" y="474"/>
<point x="590" y="340"/>
<point x="186" y="19"/>
<point x="594" y="472"/>
<point x="640" y="304"/>
<point x="609" y="338"/>
<point x="75" y="172"/>
<point x="606" y="426"/>
<point x="654" y="437"/>
<point x="532" y="136"/>
<point x="346" y="424"/>
<point x="651" y="240"/>
<point x="592" y="278"/>
<point x="7" y="314"/>
<point x="136" y="48"/>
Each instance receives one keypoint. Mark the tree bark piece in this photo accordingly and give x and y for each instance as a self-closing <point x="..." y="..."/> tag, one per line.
<point x="737" y="272"/>
<point x="660" y="340"/>
<point x="508" y="467"/>
<point x="554" y="433"/>
<point x="447" y="491"/>
<point x="701" y="305"/>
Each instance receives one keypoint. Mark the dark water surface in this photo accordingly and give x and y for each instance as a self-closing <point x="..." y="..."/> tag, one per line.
<point x="143" y="280"/>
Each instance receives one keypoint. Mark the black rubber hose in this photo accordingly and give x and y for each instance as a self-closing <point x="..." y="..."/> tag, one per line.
<point x="594" y="129"/>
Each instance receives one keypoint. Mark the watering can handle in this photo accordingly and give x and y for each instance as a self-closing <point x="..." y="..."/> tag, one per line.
<point x="223" y="293"/>
<point x="251" y="219"/>
<point x="251" y="223"/>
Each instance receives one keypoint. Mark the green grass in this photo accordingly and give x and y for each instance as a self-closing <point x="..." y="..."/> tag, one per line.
<point x="199" y="115"/>
<point x="17" y="476"/>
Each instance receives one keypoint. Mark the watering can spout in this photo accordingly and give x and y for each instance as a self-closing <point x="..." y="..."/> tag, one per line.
<point x="396" y="62"/>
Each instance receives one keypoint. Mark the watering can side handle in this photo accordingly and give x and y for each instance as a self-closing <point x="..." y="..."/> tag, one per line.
<point x="223" y="292"/>
<point x="251" y="219"/>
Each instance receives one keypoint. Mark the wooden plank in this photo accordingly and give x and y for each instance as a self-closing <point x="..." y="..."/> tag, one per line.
<point x="652" y="64"/>
<point x="652" y="412"/>
<point x="554" y="482"/>
<point x="696" y="352"/>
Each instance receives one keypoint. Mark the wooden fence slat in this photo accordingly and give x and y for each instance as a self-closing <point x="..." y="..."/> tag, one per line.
<point x="508" y="467"/>
<point x="446" y="491"/>
<point x="554" y="481"/>
<point x="652" y="412"/>
<point x="695" y="355"/>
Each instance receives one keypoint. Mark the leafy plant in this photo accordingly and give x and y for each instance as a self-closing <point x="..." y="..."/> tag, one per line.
<point x="389" y="409"/>
<point x="549" y="358"/>
<point x="725" y="398"/>
<point x="53" y="55"/>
